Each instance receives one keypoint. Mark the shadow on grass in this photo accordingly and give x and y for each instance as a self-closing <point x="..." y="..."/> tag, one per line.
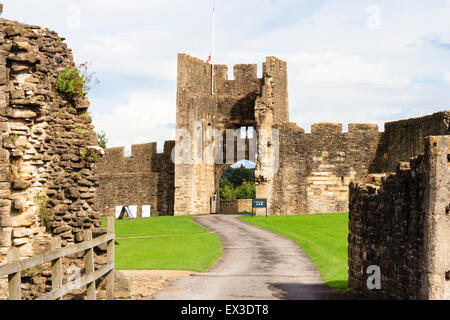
<point x="299" y="291"/>
<point x="338" y="286"/>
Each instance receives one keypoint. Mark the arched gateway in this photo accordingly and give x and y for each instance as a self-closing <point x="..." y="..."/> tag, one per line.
<point x="208" y="124"/>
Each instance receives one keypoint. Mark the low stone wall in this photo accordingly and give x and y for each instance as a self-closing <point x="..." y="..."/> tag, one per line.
<point x="144" y="179"/>
<point x="235" y="206"/>
<point x="402" y="227"/>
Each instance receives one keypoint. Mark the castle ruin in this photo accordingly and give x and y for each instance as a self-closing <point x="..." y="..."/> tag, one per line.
<point x="50" y="187"/>
<point x="47" y="184"/>
<point x="297" y="172"/>
<point x="395" y="183"/>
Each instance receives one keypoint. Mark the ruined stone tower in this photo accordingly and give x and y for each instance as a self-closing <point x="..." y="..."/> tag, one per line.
<point x="47" y="186"/>
<point x="213" y="124"/>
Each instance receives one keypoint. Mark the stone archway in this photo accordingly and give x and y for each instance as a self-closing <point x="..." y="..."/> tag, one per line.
<point x="246" y="101"/>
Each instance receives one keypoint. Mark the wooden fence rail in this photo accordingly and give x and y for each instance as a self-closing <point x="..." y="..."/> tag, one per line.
<point x="15" y="266"/>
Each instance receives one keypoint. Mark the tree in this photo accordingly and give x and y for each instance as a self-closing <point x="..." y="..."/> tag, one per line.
<point x="102" y="140"/>
<point x="239" y="175"/>
<point x="246" y="191"/>
<point x="226" y="190"/>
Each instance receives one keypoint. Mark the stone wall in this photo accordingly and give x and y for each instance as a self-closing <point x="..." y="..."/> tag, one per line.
<point x="404" y="139"/>
<point x="316" y="168"/>
<point x="44" y="182"/>
<point x="48" y="150"/>
<point x="402" y="227"/>
<point x="235" y="206"/>
<point x="145" y="178"/>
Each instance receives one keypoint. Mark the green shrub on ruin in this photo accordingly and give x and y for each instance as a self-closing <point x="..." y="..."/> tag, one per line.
<point x="102" y="140"/>
<point x="42" y="202"/>
<point x="14" y="138"/>
<point x="75" y="81"/>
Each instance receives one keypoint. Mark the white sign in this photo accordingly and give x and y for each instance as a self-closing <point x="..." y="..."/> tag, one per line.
<point x="118" y="210"/>
<point x="133" y="210"/>
<point x="146" y="211"/>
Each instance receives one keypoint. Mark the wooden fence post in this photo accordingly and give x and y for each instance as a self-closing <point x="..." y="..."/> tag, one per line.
<point x="89" y="265"/>
<point x="14" y="279"/>
<point x="56" y="266"/>
<point x="110" y="252"/>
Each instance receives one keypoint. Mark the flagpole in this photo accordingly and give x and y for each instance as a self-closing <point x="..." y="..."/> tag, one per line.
<point x="213" y="45"/>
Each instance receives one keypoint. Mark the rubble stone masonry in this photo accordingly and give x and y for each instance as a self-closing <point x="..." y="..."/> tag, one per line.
<point x="316" y="168"/>
<point x="402" y="227"/>
<point x="144" y="179"/>
<point x="47" y="185"/>
<point x="404" y="139"/>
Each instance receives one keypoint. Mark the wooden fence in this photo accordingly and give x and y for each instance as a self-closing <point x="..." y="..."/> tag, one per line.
<point x="14" y="267"/>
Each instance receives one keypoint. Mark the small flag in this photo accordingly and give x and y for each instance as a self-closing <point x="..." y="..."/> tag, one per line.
<point x="209" y="59"/>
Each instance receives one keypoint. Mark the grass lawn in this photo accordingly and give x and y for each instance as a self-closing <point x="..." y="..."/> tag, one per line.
<point x="176" y="243"/>
<point x="323" y="237"/>
<point x="156" y="226"/>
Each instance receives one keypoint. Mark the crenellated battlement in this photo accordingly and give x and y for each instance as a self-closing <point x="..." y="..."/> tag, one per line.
<point x="327" y="129"/>
<point x="145" y="178"/>
<point x="144" y="158"/>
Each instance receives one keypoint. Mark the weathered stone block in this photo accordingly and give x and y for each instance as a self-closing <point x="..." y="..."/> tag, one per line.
<point x="20" y="184"/>
<point x="22" y="233"/>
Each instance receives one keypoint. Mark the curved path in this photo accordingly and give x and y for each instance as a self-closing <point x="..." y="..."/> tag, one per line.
<point x="255" y="264"/>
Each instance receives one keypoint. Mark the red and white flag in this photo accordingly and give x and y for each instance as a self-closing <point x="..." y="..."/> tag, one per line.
<point x="209" y="59"/>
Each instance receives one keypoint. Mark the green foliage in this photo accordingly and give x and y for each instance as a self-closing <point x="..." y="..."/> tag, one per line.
<point x="323" y="237"/>
<point x="94" y="156"/>
<point x="15" y="168"/>
<point x="246" y="191"/>
<point x="239" y="175"/>
<point x="42" y="201"/>
<point x="38" y="268"/>
<point x="89" y="156"/>
<point x="71" y="82"/>
<point x="75" y="81"/>
<point x="227" y="191"/>
<point x="102" y="140"/>
<point x="237" y="183"/>
<point x="14" y="137"/>
<point x="83" y="153"/>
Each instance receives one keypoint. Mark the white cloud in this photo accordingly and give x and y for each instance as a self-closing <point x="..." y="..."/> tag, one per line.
<point x="339" y="70"/>
<point x="342" y="69"/>
<point x="130" y="54"/>
<point x="148" y="116"/>
<point x="446" y="75"/>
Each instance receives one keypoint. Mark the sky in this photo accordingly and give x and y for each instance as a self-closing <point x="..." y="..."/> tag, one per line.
<point x="348" y="61"/>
